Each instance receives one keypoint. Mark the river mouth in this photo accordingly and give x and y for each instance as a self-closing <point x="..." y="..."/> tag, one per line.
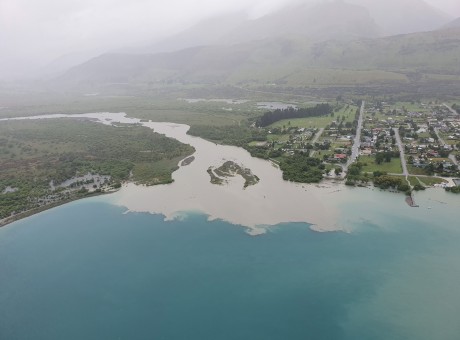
<point x="270" y="201"/>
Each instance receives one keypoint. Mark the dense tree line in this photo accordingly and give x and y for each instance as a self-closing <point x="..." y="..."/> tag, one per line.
<point x="273" y="116"/>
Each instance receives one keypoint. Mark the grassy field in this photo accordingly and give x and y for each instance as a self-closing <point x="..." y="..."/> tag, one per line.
<point x="318" y="122"/>
<point x="425" y="181"/>
<point x="391" y="167"/>
<point x="290" y="76"/>
<point x="415" y="171"/>
<point x="429" y="181"/>
<point x="313" y="122"/>
<point x="413" y="180"/>
<point x="410" y="106"/>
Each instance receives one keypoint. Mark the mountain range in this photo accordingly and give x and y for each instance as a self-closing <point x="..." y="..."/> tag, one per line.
<point x="349" y="19"/>
<point x="281" y="46"/>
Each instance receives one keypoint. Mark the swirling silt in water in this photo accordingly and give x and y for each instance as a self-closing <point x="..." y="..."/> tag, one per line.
<point x="270" y="202"/>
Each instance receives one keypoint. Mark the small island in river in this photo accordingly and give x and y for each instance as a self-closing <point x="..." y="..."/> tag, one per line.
<point x="232" y="169"/>
<point x="187" y="161"/>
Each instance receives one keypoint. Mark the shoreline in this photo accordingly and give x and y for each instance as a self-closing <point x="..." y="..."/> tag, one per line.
<point x="34" y="211"/>
<point x="251" y="230"/>
<point x="270" y="202"/>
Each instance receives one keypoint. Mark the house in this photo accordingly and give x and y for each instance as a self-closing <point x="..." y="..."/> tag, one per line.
<point x="366" y="152"/>
<point x="340" y="156"/>
<point x="418" y="164"/>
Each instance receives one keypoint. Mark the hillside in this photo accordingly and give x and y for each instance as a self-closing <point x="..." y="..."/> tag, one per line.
<point x="453" y="24"/>
<point x="337" y="20"/>
<point x="207" y="32"/>
<point x="404" y="16"/>
<point x="277" y="60"/>
<point x="334" y="20"/>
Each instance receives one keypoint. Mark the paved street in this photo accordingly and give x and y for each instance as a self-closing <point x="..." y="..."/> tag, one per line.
<point x="450" y="109"/>
<point x="357" y="140"/>
<point x="315" y="139"/>
<point x="401" y="152"/>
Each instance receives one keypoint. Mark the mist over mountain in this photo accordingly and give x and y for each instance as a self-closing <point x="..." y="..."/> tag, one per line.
<point x="453" y="24"/>
<point x="207" y="32"/>
<point x="404" y="16"/>
<point x="275" y="60"/>
<point x="34" y="35"/>
<point x="233" y="49"/>
<point x="335" y="20"/>
<point x="327" y="20"/>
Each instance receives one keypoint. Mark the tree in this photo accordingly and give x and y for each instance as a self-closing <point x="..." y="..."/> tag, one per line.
<point x="379" y="157"/>
<point x="387" y="157"/>
<point x="430" y="169"/>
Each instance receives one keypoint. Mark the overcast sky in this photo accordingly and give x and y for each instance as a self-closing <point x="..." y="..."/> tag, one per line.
<point x="46" y="29"/>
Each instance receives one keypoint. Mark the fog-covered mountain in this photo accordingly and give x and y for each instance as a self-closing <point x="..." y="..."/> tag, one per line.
<point x="328" y="20"/>
<point x="207" y="32"/>
<point x="453" y="24"/>
<point x="404" y="16"/>
<point x="335" y="20"/>
<point x="333" y="34"/>
<point x="270" y="60"/>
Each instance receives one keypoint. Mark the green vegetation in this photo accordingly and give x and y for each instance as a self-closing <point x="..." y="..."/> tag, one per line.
<point x="302" y="169"/>
<point x="430" y="181"/>
<point x="228" y="134"/>
<point x="34" y="153"/>
<point x="419" y="187"/>
<point x="387" y="182"/>
<point x="214" y="178"/>
<point x="187" y="161"/>
<point x="271" y="117"/>
<point x="230" y="169"/>
<point x="355" y="174"/>
<point x="345" y="113"/>
<point x="370" y="164"/>
<point x="413" y="180"/>
<point x="454" y="190"/>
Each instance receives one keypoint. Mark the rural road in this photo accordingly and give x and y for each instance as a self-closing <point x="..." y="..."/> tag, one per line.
<point x="450" y="109"/>
<point x="318" y="134"/>
<point x="451" y="156"/>
<point x="315" y="139"/>
<point x="401" y="152"/>
<point x="357" y="141"/>
<point x="439" y="137"/>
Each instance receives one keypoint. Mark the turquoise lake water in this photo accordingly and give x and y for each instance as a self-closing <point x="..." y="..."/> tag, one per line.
<point x="87" y="271"/>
